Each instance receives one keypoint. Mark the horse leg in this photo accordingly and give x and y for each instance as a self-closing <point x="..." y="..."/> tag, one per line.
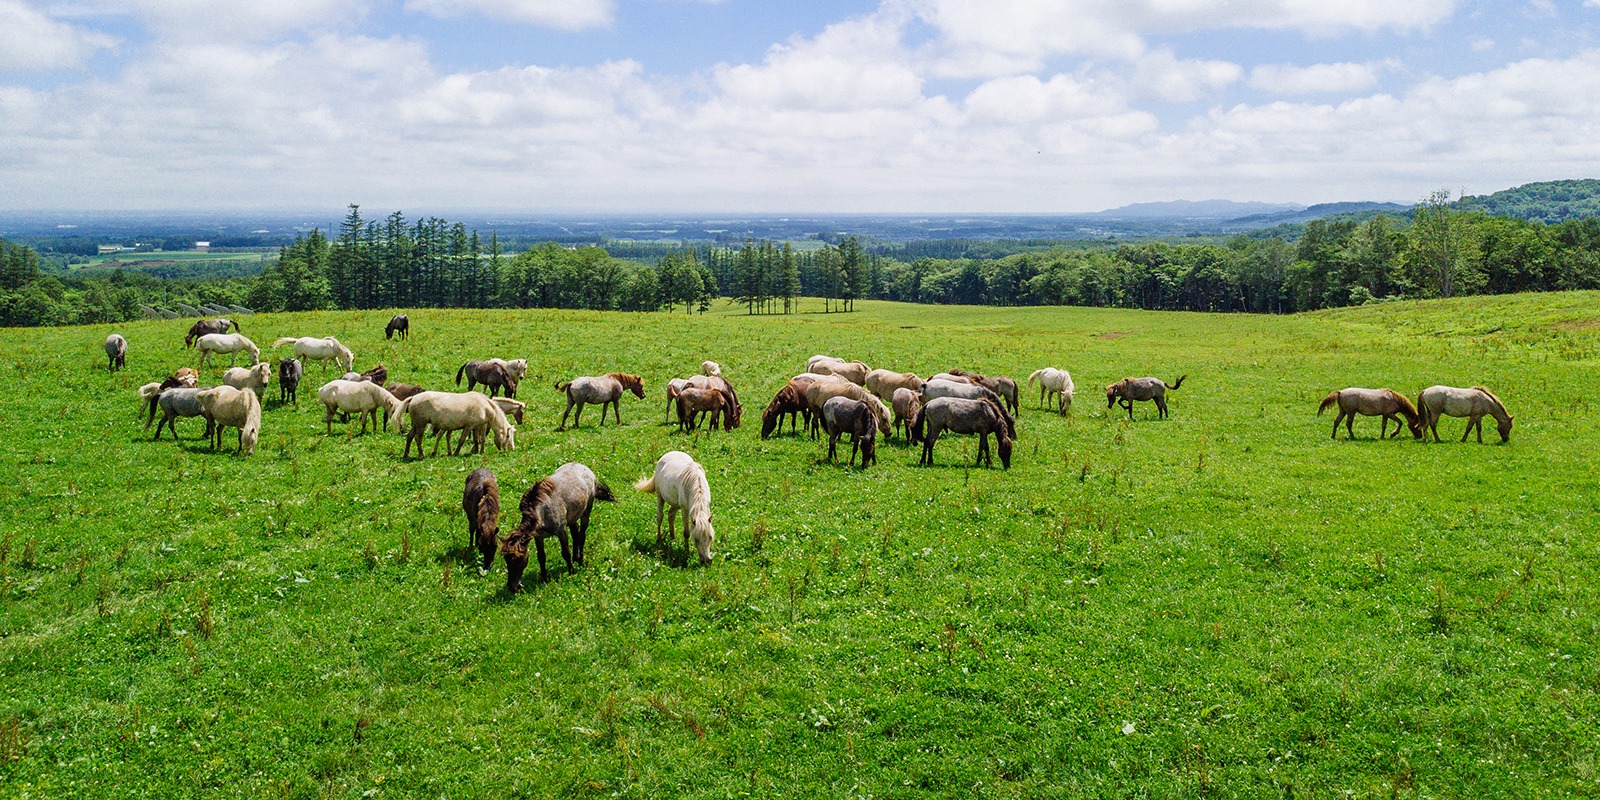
<point x="1161" y="406"/>
<point x="544" y="575"/>
<point x="580" y="536"/>
<point x="660" y="506"/>
<point x="833" y="443"/>
<point x="566" y="547"/>
<point x="616" y="408"/>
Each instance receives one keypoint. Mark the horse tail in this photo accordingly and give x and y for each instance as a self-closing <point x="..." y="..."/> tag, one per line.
<point x="562" y="386"/>
<point x="1034" y="378"/>
<point x="400" y="412"/>
<point x="283" y="340"/>
<point x="1174" y="387"/>
<point x="461" y="372"/>
<point x="603" y="492"/>
<point x="1333" y="397"/>
<point x="646" y="484"/>
<point x="236" y="328"/>
<point x="151" y="401"/>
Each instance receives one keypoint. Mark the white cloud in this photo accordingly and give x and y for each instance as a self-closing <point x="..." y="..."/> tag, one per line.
<point x="572" y="15"/>
<point x="30" y="41"/>
<point x="1290" y="79"/>
<point x="1164" y="76"/>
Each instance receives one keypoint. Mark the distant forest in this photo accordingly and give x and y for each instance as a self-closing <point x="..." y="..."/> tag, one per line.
<point x="1443" y="248"/>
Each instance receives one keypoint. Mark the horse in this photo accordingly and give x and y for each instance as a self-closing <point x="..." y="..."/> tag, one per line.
<point x="494" y="376"/>
<point x="453" y="411"/>
<point x="253" y="378"/>
<point x="1372" y="403"/>
<point x="556" y="506"/>
<point x="1473" y="403"/>
<point x="356" y="397"/>
<point x="603" y="389"/>
<point x="852" y="371"/>
<point x="906" y="404"/>
<point x="821" y="391"/>
<point x="694" y="401"/>
<point x="1001" y="385"/>
<point x="226" y="407"/>
<point x="680" y="483"/>
<point x="842" y="415"/>
<point x="963" y="388"/>
<point x="481" y="502"/>
<point x="1054" y="383"/>
<point x="230" y="343"/>
<point x="400" y="324"/>
<point x="735" y="409"/>
<point x="289" y="373"/>
<point x="185" y="376"/>
<point x="711" y="369"/>
<point x="116" y="351"/>
<point x="673" y="387"/>
<point x="324" y="349"/>
<point x="511" y="408"/>
<point x="1127" y="390"/>
<point x="960" y="415"/>
<point x="173" y="403"/>
<point x="205" y="326"/>
<point x="791" y="400"/>
<point x="883" y="383"/>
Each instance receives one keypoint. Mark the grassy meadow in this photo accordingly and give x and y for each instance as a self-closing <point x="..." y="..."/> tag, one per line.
<point x="1224" y="603"/>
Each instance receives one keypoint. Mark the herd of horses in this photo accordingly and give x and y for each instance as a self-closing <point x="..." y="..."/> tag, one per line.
<point x="832" y="397"/>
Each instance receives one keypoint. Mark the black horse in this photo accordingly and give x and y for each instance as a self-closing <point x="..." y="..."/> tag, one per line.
<point x="399" y="323"/>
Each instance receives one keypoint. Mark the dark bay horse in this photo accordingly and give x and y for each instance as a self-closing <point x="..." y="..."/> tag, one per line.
<point x="481" y="502"/>
<point x="205" y="326"/>
<point x="400" y="324"/>
<point x="841" y="415"/>
<point x="556" y="506"/>
<point x="491" y="374"/>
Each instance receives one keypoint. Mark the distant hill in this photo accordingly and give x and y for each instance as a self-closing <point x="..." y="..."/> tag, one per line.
<point x="1194" y="209"/>
<point x="1321" y="210"/>
<point x="1550" y="201"/>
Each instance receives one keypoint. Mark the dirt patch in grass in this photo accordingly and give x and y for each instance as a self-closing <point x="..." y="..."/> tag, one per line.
<point x="1112" y="334"/>
<point x="1590" y="324"/>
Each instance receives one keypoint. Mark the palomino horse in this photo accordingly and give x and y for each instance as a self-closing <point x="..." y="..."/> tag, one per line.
<point x="960" y="415"/>
<point x="230" y="343"/>
<point x="362" y="398"/>
<point x="481" y="502"/>
<point x="1384" y="403"/>
<point x="680" y="483"/>
<point x="906" y="404"/>
<point x="821" y="391"/>
<point x="323" y="348"/>
<point x="604" y="389"/>
<point x="1052" y="383"/>
<point x="206" y="326"/>
<point x="1128" y="390"/>
<point x="117" y="351"/>
<point x="883" y="383"/>
<point x="1474" y="404"/>
<point x="555" y="506"/>
<point x="852" y="371"/>
<point x="841" y="415"/>
<point x="226" y="407"/>
<point x="400" y="324"/>
<point x="453" y="411"/>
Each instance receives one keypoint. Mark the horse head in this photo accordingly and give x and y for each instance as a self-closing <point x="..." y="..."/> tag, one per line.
<point x="1004" y="446"/>
<point x="632" y="383"/>
<point x="514" y="551"/>
<point x="1504" y="426"/>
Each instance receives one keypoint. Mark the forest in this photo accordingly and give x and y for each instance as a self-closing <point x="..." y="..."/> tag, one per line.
<point x="1443" y="248"/>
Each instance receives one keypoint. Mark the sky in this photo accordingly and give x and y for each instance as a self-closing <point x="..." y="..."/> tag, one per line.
<point x="736" y="106"/>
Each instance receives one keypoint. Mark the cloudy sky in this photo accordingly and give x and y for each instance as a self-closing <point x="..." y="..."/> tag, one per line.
<point x="776" y="106"/>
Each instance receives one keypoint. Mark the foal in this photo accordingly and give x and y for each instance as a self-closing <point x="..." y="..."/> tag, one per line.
<point x="555" y="506"/>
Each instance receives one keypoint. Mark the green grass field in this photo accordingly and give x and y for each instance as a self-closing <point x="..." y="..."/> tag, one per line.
<point x="1225" y="603"/>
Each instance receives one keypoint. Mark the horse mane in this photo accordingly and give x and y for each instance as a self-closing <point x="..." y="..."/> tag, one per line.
<point x="1406" y="406"/>
<point x="627" y="381"/>
<point x="1491" y="397"/>
<point x="1005" y="419"/>
<point x="488" y="509"/>
<point x="516" y="545"/>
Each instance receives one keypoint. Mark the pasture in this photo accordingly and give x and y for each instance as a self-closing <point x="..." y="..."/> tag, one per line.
<point x="1222" y="603"/>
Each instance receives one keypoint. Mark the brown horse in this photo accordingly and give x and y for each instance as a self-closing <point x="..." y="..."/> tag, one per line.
<point x="205" y="326"/>
<point x="692" y="402"/>
<point x="1128" y="390"/>
<point x="556" y="506"/>
<point x="841" y="415"/>
<point x="402" y="391"/>
<point x="489" y="373"/>
<point x="604" y="389"/>
<point x="736" y="410"/>
<point x="481" y="502"/>
<point x="1386" y="403"/>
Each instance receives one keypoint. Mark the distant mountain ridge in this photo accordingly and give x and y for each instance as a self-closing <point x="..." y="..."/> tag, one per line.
<point x="1550" y="202"/>
<point x="1321" y="210"/>
<point x="1194" y="209"/>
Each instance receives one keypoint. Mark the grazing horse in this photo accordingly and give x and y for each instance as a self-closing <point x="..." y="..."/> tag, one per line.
<point x="230" y="343"/>
<point x="1054" y="383"/>
<point x="226" y="407"/>
<point x="821" y="391"/>
<point x="1386" y="403"/>
<point x="205" y="326"/>
<point x="680" y="483"/>
<point x="694" y="401"/>
<point x="735" y="409"/>
<point x="791" y="400"/>
<point x="494" y="376"/>
<point x="356" y="397"/>
<point x="402" y="391"/>
<point x="852" y="371"/>
<point x="1001" y="385"/>
<point x="673" y="387"/>
<point x="117" y="351"/>
<point x="960" y="415"/>
<point x="173" y="403"/>
<point x="556" y="506"/>
<point x="603" y="389"/>
<point x="324" y="349"/>
<point x="481" y="502"/>
<point x="842" y="415"/>
<point x="289" y="374"/>
<point x="943" y="387"/>
<point x="1473" y="403"/>
<point x="711" y="369"/>
<point x="511" y="408"/>
<point x="400" y="324"/>
<point x="453" y="411"/>
<point x="1127" y="390"/>
<point x="906" y="404"/>
<point x="884" y="383"/>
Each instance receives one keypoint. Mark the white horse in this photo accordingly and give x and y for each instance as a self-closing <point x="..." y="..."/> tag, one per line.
<point x="711" y="369"/>
<point x="253" y="378"/>
<point x="230" y="343"/>
<point x="680" y="483"/>
<point x="357" y="397"/>
<point x="117" y="351"/>
<point x="324" y="349"/>
<point x="227" y="407"/>
<point x="1054" y="382"/>
<point x="1474" y="403"/>
<point x="453" y="411"/>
